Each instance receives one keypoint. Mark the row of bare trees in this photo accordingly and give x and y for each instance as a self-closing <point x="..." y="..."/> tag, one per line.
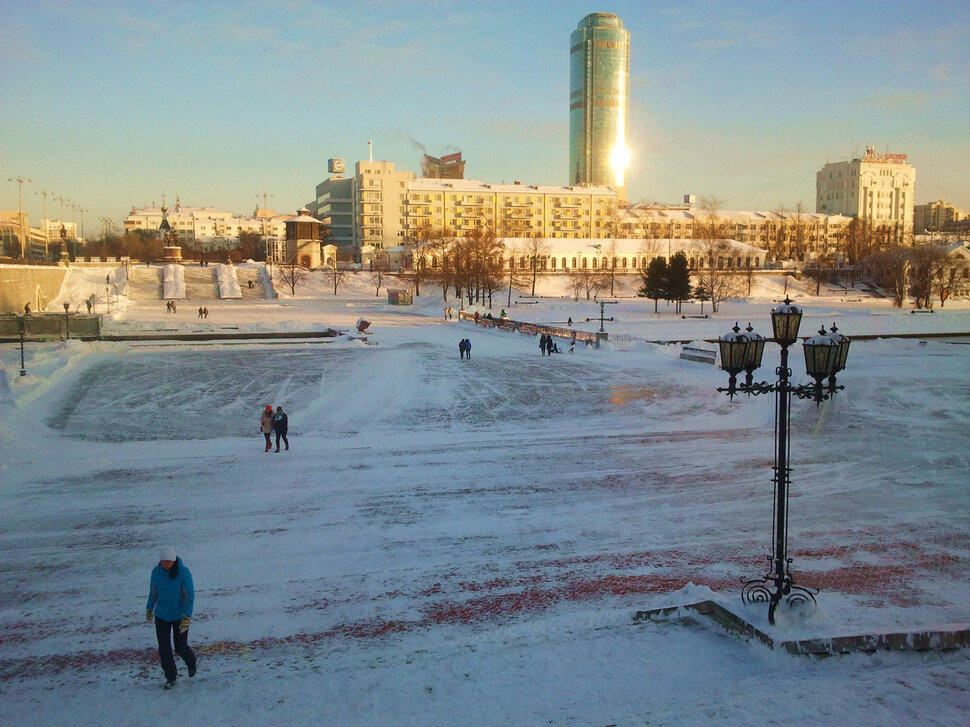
<point x="926" y="273"/>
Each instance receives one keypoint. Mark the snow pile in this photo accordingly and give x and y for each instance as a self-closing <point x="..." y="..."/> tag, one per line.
<point x="228" y="282"/>
<point x="173" y="281"/>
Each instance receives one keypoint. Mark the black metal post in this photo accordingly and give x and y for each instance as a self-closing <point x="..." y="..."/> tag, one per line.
<point x="23" y="330"/>
<point x="782" y="481"/>
<point x="602" y="307"/>
<point x="67" y="321"/>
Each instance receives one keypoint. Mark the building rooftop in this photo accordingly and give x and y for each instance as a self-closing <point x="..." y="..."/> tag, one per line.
<point x="474" y="185"/>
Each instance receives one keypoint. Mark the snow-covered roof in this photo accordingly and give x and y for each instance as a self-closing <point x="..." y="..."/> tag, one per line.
<point x="683" y="214"/>
<point x="473" y="185"/>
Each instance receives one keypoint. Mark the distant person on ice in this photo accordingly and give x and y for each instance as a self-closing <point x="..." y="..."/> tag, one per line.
<point x="461" y="348"/>
<point x="171" y="596"/>
<point x="468" y="348"/>
<point x="266" y="425"/>
<point x="280" y="426"/>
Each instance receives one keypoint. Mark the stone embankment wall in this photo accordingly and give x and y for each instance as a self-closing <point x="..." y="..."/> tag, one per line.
<point x="34" y="283"/>
<point x="50" y="326"/>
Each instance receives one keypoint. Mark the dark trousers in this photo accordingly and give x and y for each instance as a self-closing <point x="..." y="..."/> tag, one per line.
<point x="285" y="440"/>
<point x="268" y="442"/>
<point x="164" y="630"/>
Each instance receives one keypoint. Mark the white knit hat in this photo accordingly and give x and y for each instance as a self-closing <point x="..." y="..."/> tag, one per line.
<point x="168" y="553"/>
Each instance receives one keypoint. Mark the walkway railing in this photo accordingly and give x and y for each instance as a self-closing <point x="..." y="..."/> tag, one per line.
<point x="534" y="329"/>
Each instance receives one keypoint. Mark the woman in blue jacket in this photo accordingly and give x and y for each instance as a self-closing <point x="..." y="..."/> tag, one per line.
<point x="171" y="596"/>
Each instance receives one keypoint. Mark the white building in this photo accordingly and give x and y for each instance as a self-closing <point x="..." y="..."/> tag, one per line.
<point x="208" y="228"/>
<point x="879" y="188"/>
<point x="622" y="255"/>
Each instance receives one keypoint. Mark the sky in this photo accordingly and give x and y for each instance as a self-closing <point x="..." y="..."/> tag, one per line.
<point x="113" y="104"/>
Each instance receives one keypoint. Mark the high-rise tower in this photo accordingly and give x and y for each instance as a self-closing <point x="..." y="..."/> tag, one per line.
<point x="599" y="74"/>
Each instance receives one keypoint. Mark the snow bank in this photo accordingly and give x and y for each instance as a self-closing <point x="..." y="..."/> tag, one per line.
<point x="228" y="282"/>
<point x="173" y="281"/>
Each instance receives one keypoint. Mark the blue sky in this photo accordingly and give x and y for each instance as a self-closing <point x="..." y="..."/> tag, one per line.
<point x="112" y="104"/>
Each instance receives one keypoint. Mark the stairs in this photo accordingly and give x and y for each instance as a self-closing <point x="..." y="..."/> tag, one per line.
<point x="144" y="283"/>
<point x="200" y="283"/>
<point x="258" y="291"/>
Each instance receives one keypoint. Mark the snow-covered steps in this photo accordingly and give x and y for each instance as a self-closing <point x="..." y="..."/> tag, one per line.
<point x="200" y="282"/>
<point x="144" y="283"/>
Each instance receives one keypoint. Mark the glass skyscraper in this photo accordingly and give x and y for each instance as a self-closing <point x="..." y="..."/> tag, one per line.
<point x="599" y="74"/>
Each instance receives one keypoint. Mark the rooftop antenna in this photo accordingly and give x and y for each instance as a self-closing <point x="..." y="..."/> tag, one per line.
<point x="370" y="150"/>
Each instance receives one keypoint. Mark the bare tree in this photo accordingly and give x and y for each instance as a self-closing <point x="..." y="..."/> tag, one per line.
<point x="535" y="250"/>
<point x="291" y="273"/>
<point x="949" y="274"/>
<point x="378" y="273"/>
<point x="716" y="274"/>
<point x="796" y="238"/>
<point x="890" y="268"/>
<point x="589" y="281"/>
<point x="337" y="275"/>
<point x="818" y="272"/>
<point x="517" y="274"/>
<point x="429" y="245"/>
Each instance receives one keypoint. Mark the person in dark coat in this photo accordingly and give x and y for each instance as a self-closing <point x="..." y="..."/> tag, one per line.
<point x="171" y="598"/>
<point x="468" y="348"/>
<point x="280" y="426"/>
<point x="461" y="349"/>
<point x="542" y="345"/>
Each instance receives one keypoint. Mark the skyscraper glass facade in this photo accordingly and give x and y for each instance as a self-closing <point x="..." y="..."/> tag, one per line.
<point x="599" y="73"/>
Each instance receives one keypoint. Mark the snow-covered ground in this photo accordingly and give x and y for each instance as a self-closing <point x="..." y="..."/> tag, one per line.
<point x="466" y="542"/>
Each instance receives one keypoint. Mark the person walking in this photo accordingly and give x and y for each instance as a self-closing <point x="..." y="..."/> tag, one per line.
<point x="171" y="597"/>
<point x="266" y="425"/>
<point x="461" y="349"/>
<point x="27" y="308"/>
<point x="542" y="345"/>
<point x="205" y="312"/>
<point x="200" y="311"/>
<point x="468" y="348"/>
<point x="280" y="426"/>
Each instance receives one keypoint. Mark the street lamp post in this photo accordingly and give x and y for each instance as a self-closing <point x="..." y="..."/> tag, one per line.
<point x="20" y="214"/>
<point x="23" y="331"/>
<point x="67" y="320"/>
<point x="825" y="356"/>
<point x="603" y="304"/>
<point x="46" y="192"/>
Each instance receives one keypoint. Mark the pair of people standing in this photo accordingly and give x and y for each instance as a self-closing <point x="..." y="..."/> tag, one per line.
<point x="278" y="422"/>
<point x="546" y="345"/>
<point x="171" y="598"/>
<point x="464" y="348"/>
<point x="171" y="307"/>
<point x="204" y="312"/>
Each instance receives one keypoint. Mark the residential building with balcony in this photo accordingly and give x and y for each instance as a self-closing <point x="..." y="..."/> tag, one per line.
<point x="936" y="216"/>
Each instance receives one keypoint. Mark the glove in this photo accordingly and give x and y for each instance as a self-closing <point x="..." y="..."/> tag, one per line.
<point x="184" y="625"/>
<point x="149" y="615"/>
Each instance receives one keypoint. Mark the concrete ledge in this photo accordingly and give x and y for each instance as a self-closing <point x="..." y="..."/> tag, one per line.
<point x="930" y="640"/>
